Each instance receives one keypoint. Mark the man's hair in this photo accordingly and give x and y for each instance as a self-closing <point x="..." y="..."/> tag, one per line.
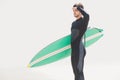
<point x="79" y="5"/>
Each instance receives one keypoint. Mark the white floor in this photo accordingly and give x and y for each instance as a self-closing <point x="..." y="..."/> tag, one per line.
<point x="61" y="70"/>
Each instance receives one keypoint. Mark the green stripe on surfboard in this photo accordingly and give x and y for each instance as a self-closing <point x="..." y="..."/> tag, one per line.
<point x="60" y="49"/>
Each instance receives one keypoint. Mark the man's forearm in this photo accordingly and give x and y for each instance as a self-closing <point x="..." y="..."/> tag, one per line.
<point x="86" y="15"/>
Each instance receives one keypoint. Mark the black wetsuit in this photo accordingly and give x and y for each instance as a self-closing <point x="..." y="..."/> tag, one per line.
<point x="78" y="50"/>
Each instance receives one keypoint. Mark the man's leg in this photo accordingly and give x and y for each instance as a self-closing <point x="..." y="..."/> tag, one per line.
<point x="80" y="64"/>
<point x="77" y="59"/>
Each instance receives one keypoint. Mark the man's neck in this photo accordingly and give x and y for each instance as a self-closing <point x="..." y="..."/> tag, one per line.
<point x="78" y="17"/>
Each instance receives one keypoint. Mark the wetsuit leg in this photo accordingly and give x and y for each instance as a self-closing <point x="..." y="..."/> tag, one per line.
<point x="77" y="59"/>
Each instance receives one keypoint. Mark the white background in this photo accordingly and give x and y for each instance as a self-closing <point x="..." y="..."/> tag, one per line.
<point x="26" y="26"/>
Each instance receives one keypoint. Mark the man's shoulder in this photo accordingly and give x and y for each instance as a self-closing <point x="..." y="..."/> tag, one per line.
<point x="73" y="22"/>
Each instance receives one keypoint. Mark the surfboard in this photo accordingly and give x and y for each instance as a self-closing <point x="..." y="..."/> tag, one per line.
<point x="61" y="48"/>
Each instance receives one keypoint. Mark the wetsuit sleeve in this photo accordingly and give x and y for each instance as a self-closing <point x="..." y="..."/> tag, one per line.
<point x="86" y="16"/>
<point x="85" y="21"/>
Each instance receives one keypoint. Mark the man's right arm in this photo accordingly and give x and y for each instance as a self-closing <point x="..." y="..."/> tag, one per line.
<point x="86" y="15"/>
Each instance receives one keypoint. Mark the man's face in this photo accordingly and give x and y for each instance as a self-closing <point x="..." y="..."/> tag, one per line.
<point x="76" y="12"/>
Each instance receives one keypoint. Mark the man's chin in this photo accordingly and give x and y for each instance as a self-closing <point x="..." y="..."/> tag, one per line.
<point x="75" y="16"/>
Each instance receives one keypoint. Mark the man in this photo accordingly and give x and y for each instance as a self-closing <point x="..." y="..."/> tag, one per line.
<point x="78" y="29"/>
